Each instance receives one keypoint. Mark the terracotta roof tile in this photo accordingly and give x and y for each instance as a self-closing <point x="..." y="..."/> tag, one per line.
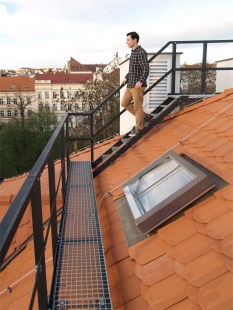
<point x="217" y="294"/>
<point x="229" y="263"/>
<point x="192" y="292"/>
<point x="174" y="233"/>
<point x="158" y="296"/>
<point x="186" y="304"/>
<point x="220" y="227"/>
<point x="158" y="270"/>
<point x="227" y="246"/>
<point x="144" y="252"/>
<point x="215" y="245"/>
<point x="205" y="268"/>
<point x="210" y="209"/>
<point x="189" y="249"/>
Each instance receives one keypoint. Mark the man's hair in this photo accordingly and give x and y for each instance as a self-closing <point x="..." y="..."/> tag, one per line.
<point x="133" y="35"/>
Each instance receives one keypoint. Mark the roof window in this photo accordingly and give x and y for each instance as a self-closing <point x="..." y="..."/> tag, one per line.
<point x="163" y="189"/>
<point x="12" y="87"/>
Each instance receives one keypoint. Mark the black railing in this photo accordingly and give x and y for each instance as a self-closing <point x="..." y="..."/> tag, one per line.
<point x="172" y="71"/>
<point x="31" y="189"/>
<point x="30" y="192"/>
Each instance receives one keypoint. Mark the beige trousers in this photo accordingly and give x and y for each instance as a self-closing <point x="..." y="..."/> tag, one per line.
<point x="136" y="108"/>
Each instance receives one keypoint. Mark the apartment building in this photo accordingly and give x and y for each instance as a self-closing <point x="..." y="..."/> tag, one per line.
<point x="17" y="96"/>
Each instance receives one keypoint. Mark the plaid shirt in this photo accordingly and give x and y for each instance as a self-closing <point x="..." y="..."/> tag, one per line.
<point x="138" y="68"/>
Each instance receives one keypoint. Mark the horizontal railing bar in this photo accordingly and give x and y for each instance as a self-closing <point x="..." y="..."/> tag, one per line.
<point x="200" y="41"/>
<point x="201" y="69"/>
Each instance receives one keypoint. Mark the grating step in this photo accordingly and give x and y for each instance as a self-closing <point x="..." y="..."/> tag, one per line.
<point x="125" y="141"/>
<point x="105" y="157"/>
<point x="115" y="149"/>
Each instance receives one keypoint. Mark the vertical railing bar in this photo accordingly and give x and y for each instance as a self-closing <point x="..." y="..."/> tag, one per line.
<point x="173" y="68"/>
<point x="52" y="196"/>
<point x="203" y="78"/>
<point x="67" y="148"/>
<point x="92" y="138"/>
<point x="62" y="166"/>
<point x="37" y="221"/>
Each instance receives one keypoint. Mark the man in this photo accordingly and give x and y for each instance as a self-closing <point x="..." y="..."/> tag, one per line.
<point x="136" y="81"/>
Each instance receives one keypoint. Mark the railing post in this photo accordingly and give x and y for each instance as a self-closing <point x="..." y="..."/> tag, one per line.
<point x="173" y="68"/>
<point x="63" y="164"/>
<point x="37" y="222"/>
<point x="203" y="78"/>
<point x="92" y="137"/>
<point x="51" y="175"/>
<point x="67" y="149"/>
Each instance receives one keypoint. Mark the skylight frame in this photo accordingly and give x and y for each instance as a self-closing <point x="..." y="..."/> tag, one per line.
<point x="171" y="205"/>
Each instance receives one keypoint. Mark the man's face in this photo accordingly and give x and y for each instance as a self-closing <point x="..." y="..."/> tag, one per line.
<point x="132" y="43"/>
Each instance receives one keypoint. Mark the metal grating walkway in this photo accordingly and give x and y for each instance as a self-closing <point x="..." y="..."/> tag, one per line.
<point x="80" y="278"/>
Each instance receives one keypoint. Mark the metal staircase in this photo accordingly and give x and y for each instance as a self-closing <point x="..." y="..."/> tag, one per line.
<point x="126" y="142"/>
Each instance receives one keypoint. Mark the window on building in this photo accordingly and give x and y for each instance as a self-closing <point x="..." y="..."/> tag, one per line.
<point x="12" y="87"/>
<point x="69" y="106"/>
<point x="39" y="95"/>
<point x="54" y="95"/>
<point x="47" y="108"/>
<point x="16" y="113"/>
<point x="76" y="95"/>
<point x="1" y="101"/>
<point x="164" y="188"/>
<point x="21" y="101"/>
<point x="62" y="94"/>
<point x="9" y="113"/>
<point x="29" y="100"/>
<point x="29" y="112"/>
<point x="46" y="94"/>
<point x="54" y="107"/>
<point x="8" y="100"/>
<point x="2" y="113"/>
<point x="15" y="100"/>
<point x="62" y="107"/>
<point x="91" y="107"/>
<point x="69" y="94"/>
<point x="26" y="87"/>
<point x="76" y="108"/>
<point x="83" y="106"/>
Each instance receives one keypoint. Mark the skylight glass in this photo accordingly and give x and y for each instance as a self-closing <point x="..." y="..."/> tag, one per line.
<point x="157" y="185"/>
<point x="163" y="188"/>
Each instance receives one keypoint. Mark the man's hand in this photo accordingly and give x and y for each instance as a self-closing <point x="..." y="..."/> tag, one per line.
<point x="124" y="81"/>
<point x="138" y="85"/>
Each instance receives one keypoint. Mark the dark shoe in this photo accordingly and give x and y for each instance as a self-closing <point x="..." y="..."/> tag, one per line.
<point x="133" y="132"/>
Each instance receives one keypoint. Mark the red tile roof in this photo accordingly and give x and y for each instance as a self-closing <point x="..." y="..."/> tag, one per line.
<point x="188" y="263"/>
<point x="63" y="78"/>
<point x="6" y="82"/>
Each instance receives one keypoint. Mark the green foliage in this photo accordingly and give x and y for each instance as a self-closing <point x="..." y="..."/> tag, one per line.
<point x="22" y="143"/>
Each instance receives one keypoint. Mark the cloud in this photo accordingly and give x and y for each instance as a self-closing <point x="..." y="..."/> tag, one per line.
<point x="41" y="31"/>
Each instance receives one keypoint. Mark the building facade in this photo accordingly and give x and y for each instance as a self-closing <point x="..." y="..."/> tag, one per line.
<point x="17" y="97"/>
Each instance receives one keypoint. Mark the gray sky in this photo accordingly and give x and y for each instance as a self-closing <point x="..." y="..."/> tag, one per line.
<point x="45" y="33"/>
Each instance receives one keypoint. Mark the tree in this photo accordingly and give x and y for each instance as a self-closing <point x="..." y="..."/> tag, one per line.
<point x="93" y="93"/>
<point x="20" y="101"/>
<point x="20" y="146"/>
<point x="190" y="81"/>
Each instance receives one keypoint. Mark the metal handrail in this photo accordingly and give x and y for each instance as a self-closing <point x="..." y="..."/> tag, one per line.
<point x="30" y="191"/>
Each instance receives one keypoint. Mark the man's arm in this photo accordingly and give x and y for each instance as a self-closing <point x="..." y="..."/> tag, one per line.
<point x="125" y="79"/>
<point x="144" y="64"/>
